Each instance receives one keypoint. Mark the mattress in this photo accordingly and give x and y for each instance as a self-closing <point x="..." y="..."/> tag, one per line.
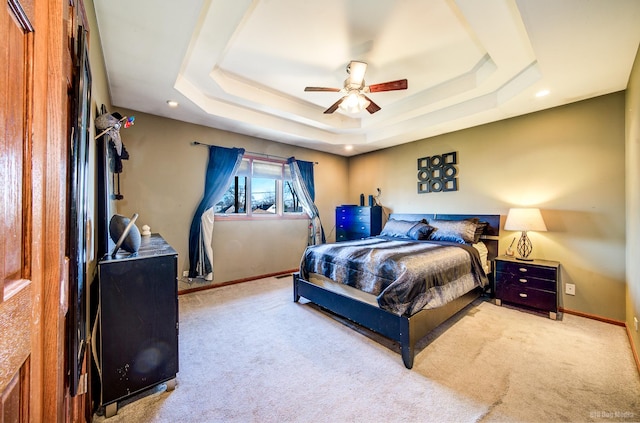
<point x="399" y="276"/>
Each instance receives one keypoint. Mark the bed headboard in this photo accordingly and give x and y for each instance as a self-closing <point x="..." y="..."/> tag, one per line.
<point x="490" y="235"/>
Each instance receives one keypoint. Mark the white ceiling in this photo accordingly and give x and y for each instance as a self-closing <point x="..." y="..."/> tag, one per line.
<point x="242" y="65"/>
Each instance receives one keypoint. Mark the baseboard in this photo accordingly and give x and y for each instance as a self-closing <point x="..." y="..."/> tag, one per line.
<point x="633" y="348"/>
<point x="593" y="316"/>
<point x="613" y="322"/>
<point x="236" y="281"/>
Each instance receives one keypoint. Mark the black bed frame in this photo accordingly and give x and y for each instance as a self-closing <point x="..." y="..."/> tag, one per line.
<point x="407" y="331"/>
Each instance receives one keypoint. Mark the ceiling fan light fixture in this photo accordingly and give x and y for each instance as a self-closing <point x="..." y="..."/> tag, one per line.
<point x="355" y="99"/>
<point x="354" y="102"/>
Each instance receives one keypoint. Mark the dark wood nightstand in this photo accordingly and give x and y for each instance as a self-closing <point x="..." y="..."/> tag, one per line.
<point x="529" y="284"/>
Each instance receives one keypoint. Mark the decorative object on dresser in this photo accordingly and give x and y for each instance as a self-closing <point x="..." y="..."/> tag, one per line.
<point x="524" y="219"/>
<point x="532" y="284"/>
<point x="357" y="222"/>
<point x="124" y="233"/>
<point x="135" y="334"/>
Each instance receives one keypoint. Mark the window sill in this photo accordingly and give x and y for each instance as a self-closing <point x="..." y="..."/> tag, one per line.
<point x="241" y="217"/>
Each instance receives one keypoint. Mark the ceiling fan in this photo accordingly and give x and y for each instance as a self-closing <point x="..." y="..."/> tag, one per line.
<point x="355" y="90"/>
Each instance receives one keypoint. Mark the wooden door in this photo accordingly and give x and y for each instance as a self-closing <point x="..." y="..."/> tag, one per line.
<point x="16" y="296"/>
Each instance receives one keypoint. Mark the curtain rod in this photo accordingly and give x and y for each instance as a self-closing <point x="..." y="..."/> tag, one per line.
<point x="252" y="153"/>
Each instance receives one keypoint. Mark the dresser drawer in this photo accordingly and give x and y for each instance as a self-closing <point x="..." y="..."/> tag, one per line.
<point x="362" y="227"/>
<point x="534" y="298"/>
<point x="366" y="218"/>
<point x="348" y="236"/>
<point x="527" y="270"/>
<point x="527" y="281"/>
<point x="353" y="211"/>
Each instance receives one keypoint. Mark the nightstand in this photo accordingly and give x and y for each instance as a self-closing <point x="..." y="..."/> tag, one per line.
<point x="529" y="284"/>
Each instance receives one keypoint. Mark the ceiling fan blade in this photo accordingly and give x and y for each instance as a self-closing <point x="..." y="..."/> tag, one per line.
<point x="356" y="72"/>
<point x="372" y="107"/>
<point x="400" y="84"/>
<point x="333" y="90"/>
<point x="334" y="106"/>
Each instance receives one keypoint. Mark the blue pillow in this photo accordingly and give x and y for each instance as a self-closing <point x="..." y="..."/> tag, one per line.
<point x="420" y="231"/>
<point x="406" y="229"/>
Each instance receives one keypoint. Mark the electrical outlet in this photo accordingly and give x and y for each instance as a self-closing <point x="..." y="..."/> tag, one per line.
<point x="185" y="273"/>
<point x="635" y="323"/>
<point x="570" y="289"/>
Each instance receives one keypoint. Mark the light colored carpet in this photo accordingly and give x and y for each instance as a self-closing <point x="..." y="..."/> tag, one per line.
<point x="248" y="353"/>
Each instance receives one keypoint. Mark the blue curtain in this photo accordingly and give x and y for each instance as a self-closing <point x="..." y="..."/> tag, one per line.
<point x="303" y="184"/>
<point x="222" y="166"/>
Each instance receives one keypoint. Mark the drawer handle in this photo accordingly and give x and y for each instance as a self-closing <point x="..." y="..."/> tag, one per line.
<point x="523" y="295"/>
<point x="523" y="270"/>
<point x="523" y="280"/>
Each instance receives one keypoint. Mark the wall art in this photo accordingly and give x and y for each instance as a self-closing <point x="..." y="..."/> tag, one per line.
<point x="438" y="173"/>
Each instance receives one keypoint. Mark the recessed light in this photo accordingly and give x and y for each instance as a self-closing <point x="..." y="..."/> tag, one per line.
<point x="542" y="93"/>
<point x="172" y="103"/>
<point x="348" y="147"/>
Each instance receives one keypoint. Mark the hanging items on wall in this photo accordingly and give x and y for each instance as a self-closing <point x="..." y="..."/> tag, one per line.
<point x="438" y="173"/>
<point x="110" y="124"/>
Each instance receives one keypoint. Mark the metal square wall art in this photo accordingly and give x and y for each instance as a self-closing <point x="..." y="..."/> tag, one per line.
<point x="438" y="173"/>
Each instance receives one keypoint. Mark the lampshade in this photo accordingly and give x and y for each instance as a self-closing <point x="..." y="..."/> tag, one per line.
<point x="525" y="219"/>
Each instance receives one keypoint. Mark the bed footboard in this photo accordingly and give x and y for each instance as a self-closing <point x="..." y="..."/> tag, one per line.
<point x="404" y="330"/>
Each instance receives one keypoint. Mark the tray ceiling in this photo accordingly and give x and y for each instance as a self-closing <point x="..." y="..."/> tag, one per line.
<point x="242" y="65"/>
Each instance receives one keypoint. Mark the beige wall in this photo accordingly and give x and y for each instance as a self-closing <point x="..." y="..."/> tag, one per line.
<point x="569" y="161"/>
<point x="633" y="198"/>
<point x="163" y="182"/>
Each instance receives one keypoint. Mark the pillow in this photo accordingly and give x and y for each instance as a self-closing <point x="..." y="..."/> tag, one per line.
<point x="420" y="231"/>
<point x="397" y="228"/>
<point x="479" y="230"/>
<point x="460" y="231"/>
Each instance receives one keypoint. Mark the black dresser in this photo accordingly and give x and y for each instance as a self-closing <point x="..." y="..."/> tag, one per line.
<point x="529" y="284"/>
<point x="357" y="222"/>
<point x="137" y="337"/>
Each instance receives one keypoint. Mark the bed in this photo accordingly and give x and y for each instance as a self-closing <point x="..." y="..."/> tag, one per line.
<point x="366" y="281"/>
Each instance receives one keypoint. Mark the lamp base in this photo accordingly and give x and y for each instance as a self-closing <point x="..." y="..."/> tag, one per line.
<point x="524" y="247"/>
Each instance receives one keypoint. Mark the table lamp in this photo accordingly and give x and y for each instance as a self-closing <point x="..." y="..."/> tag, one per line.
<point x="524" y="219"/>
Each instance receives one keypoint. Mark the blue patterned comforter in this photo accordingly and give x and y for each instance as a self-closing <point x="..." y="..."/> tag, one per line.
<point x="402" y="274"/>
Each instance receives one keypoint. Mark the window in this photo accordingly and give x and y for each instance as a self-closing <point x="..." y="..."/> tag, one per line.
<point x="261" y="188"/>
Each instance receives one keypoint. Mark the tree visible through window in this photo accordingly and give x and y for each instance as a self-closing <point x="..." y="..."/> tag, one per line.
<point x="269" y="188"/>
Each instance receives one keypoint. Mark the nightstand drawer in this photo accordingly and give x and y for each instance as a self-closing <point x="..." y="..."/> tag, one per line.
<point x="527" y="281"/>
<point x="527" y="269"/>
<point x="534" y="298"/>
